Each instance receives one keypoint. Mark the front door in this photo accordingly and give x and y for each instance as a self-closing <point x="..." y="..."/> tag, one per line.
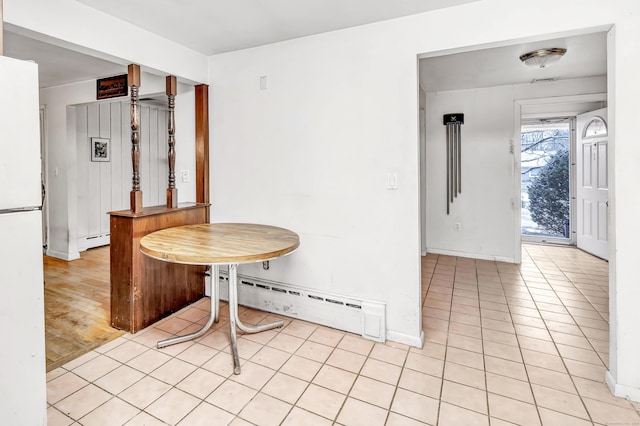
<point x="592" y="183"/>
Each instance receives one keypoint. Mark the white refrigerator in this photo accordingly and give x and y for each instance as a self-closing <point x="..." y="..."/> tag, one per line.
<point x="22" y="353"/>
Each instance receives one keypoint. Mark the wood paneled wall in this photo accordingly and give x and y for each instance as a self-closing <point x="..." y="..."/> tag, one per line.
<point x="105" y="186"/>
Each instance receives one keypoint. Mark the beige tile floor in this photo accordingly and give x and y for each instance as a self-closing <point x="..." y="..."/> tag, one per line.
<point x="505" y="344"/>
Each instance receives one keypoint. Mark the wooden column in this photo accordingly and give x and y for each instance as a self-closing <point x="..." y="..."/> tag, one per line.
<point x="136" y="193"/>
<point x="172" y="191"/>
<point x="202" y="143"/>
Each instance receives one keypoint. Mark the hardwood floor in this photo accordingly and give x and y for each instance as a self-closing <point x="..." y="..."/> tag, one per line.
<point x="77" y="306"/>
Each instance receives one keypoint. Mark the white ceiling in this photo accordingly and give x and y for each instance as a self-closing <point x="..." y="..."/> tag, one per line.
<point x="214" y="26"/>
<point x="57" y="65"/>
<point x="586" y="57"/>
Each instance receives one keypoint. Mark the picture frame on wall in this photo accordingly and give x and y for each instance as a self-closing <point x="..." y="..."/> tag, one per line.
<point x="112" y="87"/>
<point x="100" y="149"/>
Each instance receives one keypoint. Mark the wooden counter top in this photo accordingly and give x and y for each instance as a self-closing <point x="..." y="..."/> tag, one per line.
<point x="156" y="210"/>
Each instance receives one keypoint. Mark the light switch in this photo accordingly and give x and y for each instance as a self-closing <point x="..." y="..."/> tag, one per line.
<point x="392" y="180"/>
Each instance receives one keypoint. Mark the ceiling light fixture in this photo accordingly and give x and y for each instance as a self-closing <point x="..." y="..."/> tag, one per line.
<point x="543" y="57"/>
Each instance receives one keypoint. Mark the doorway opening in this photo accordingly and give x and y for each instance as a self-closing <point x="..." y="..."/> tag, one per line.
<point x="546" y="180"/>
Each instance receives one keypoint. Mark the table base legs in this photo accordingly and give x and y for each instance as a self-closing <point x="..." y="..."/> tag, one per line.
<point x="234" y="321"/>
<point x="213" y="285"/>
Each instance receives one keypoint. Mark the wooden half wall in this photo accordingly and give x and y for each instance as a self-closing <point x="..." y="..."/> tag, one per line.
<point x="144" y="290"/>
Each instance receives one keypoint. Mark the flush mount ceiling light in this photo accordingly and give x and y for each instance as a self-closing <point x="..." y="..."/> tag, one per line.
<point x="543" y="57"/>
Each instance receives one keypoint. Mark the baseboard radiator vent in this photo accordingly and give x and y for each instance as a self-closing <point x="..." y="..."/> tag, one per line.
<point x="367" y="318"/>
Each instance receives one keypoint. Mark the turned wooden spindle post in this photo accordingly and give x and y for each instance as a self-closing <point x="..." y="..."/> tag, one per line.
<point x="136" y="193"/>
<point x="172" y="191"/>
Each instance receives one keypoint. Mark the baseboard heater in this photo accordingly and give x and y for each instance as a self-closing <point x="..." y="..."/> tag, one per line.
<point x="364" y="317"/>
<point x="91" y="241"/>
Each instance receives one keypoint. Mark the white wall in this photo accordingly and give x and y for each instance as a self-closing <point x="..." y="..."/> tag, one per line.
<point x="488" y="206"/>
<point x="313" y="151"/>
<point x="63" y="178"/>
<point x="312" y="154"/>
<point x="624" y="292"/>
<point x="185" y="141"/>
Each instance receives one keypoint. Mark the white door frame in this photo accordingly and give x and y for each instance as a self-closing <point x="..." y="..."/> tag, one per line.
<point x="560" y="105"/>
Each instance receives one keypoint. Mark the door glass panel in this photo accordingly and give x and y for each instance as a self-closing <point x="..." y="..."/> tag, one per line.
<point x="596" y="127"/>
<point x="545" y="161"/>
<point x="602" y="165"/>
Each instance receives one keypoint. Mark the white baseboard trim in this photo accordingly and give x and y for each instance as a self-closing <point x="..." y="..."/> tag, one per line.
<point x="471" y="255"/>
<point x="63" y="255"/>
<point x="505" y="259"/>
<point x="621" y="391"/>
<point x="406" y="339"/>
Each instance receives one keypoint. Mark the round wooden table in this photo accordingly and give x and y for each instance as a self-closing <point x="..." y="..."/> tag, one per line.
<point x="215" y="244"/>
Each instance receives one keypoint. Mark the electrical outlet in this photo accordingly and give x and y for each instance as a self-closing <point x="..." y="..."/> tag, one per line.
<point x="185" y="176"/>
<point x="458" y="226"/>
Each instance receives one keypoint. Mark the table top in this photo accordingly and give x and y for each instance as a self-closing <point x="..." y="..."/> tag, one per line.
<point x="219" y="243"/>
